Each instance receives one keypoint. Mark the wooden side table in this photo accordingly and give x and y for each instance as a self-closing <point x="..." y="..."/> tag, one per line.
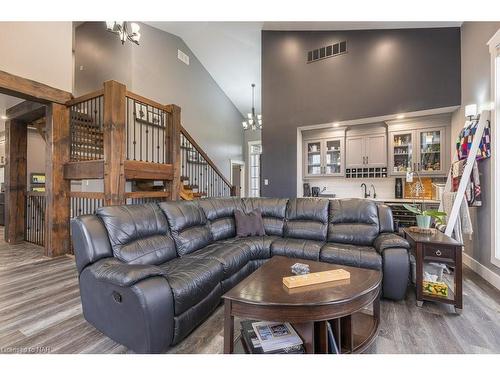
<point x="438" y="248"/>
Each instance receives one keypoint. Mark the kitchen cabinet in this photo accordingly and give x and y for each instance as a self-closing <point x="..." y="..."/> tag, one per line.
<point x="324" y="157"/>
<point x="420" y="144"/>
<point x="366" y="151"/>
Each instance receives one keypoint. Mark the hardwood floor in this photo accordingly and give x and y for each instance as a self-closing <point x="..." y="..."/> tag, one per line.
<point x="40" y="312"/>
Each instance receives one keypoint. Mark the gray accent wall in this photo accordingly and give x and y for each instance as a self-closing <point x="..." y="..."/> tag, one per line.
<point x="153" y="70"/>
<point x="476" y="88"/>
<point x="384" y="72"/>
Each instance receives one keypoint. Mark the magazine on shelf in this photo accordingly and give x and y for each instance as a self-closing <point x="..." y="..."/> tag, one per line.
<point x="274" y="336"/>
<point x="253" y="344"/>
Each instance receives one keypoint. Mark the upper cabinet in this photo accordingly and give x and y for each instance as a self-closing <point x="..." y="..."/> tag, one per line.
<point x="324" y="153"/>
<point x="419" y="144"/>
<point x="366" y="147"/>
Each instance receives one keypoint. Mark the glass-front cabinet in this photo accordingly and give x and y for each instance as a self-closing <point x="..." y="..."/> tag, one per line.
<point x="419" y="150"/>
<point x="401" y="152"/>
<point x="314" y="158"/>
<point x="430" y="151"/>
<point x="324" y="157"/>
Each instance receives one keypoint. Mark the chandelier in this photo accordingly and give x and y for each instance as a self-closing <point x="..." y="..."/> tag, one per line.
<point x="121" y="28"/>
<point x="253" y="121"/>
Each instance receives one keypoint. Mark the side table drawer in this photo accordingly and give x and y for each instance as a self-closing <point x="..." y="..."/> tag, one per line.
<point x="436" y="251"/>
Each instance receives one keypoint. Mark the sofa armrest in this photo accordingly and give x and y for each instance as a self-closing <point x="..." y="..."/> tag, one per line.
<point x="116" y="272"/>
<point x="390" y="241"/>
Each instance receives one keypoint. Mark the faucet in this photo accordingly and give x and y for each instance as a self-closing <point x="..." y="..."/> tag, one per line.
<point x="374" y="193"/>
<point x="363" y="185"/>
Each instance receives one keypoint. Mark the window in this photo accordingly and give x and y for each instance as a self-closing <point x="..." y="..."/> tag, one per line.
<point x="494" y="45"/>
<point x="254" y="151"/>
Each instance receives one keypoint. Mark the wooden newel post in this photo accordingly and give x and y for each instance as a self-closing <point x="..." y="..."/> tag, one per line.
<point x="16" y="144"/>
<point x="114" y="142"/>
<point x="175" y="150"/>
<point x="57" y="211"/>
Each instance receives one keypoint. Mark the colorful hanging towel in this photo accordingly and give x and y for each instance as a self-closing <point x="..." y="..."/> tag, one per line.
<point x="473" y="189"/>
<point x="464" y="141"/>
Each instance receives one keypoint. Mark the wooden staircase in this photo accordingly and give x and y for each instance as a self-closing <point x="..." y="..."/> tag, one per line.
<point x="190" y="192"/>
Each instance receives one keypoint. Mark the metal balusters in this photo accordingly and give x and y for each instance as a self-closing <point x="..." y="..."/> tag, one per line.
<point x="35" y="218"/>
<point x="146" y="132"/>
<point x="86" y="129"/>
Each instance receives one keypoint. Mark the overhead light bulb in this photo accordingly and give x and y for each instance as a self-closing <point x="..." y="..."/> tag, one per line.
<point x="245" y="125"/>
<point x="249" y="115"/>
<point x="259" y="117"/>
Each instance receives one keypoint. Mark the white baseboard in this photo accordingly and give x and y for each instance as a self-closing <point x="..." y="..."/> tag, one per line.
<point x="481" y="270"/>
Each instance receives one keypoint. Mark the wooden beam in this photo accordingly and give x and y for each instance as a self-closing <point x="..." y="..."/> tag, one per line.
<point x="26" y="111"/>
<point x="175" y="148"/>
<point x="28" y="89"/>
<point x="57" y="188"/>
<point x="84" y="170"/>
<point x="16" y="146"/>
<point x="147" y="194"/>
<point x="114" y="142"/>
<point x="142" y="170"/>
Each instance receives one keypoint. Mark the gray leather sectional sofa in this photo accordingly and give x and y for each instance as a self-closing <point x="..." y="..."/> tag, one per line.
<point x="149" y="274"/>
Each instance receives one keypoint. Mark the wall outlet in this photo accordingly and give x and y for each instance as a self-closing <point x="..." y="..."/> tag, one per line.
<point x="266" y="181"/>
<point x="183" y="57"/>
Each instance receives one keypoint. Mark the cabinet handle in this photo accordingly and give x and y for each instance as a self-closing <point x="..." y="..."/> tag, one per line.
<point x="367" y="160"/>
<point x="438" y="253"/>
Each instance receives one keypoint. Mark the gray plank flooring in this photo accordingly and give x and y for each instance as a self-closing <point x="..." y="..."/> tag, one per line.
<point x="40" y="311"/>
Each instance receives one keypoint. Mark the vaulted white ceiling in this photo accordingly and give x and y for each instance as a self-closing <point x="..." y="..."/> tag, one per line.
<point x="230" y="51"/>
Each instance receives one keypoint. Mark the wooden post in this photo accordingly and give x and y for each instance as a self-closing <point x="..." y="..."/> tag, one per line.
<point x="114" y="142"/>
<point x="57" y="212"/>
<point x="16" y="145"/>
<point x="175" y="149"/>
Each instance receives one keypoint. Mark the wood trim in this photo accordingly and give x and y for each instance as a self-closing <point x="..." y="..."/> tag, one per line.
<point x="36" y="193"/>
<point x="26" y="111"/>
<point x="16" y="146"/>
<point x="205" y="156"/>
<point x="142" y="170"/>
<point x="114" y="142"/>
<point x="28" y="89"/>
<point x="175" y="150"/>
<point x="147" y="101"/>
<point x="86" y="194"/>
<point x="83" y="98"/>
<point x="147" y="194"/>
<point x="84" y="170"/>
<point x="57" y="188"/>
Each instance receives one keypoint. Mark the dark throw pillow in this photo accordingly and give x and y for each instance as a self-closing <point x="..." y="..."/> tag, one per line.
<point x="250" y="224"/>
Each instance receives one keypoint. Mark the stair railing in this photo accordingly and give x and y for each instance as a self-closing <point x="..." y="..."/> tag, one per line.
<point x="199" y="172"/>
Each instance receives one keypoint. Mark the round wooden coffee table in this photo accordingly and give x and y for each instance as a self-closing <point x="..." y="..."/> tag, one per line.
<point x="346" y="304"/>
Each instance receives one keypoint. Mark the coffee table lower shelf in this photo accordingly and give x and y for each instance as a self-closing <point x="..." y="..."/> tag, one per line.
<point x="363" y="331"/>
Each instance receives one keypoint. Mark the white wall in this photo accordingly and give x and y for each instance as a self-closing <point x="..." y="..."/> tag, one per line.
<point x="41" y="51"/>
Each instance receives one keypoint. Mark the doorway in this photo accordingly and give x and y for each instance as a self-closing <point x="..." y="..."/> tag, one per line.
<point x="237" y="177"/>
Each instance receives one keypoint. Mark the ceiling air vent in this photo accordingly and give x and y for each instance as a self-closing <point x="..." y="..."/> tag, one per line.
<point x="327" y="51"/>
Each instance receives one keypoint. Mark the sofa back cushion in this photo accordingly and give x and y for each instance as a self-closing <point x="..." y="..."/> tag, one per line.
<point x="353" y="221"/>
<point x="188" y="225"/>
<point x="220" y="215"/>
<point x="307" y="218"/>
<point x="273" y="212"/>
<point x="138" y="233"/>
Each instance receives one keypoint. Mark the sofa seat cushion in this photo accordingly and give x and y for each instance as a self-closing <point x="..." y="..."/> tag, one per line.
<point x="351" y="255"/>
<point x="191" y="280"/>
<point x="296" y="248"/>
<point x="260" y="246"/>
<point x="232" y="256"/>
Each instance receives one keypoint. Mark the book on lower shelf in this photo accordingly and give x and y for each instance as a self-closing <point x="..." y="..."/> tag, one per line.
<point x="271" y="338"/>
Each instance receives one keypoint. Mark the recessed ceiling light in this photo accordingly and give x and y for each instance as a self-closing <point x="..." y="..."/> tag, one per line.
<point x="4" y="117"/>
<point x="400" y="117"/>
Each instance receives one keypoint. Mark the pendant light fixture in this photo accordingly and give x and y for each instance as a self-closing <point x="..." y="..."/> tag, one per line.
<point x="254" y="121"/>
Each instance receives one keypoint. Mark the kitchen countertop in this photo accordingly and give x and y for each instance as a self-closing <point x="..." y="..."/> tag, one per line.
<point x="398" y="200"/>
